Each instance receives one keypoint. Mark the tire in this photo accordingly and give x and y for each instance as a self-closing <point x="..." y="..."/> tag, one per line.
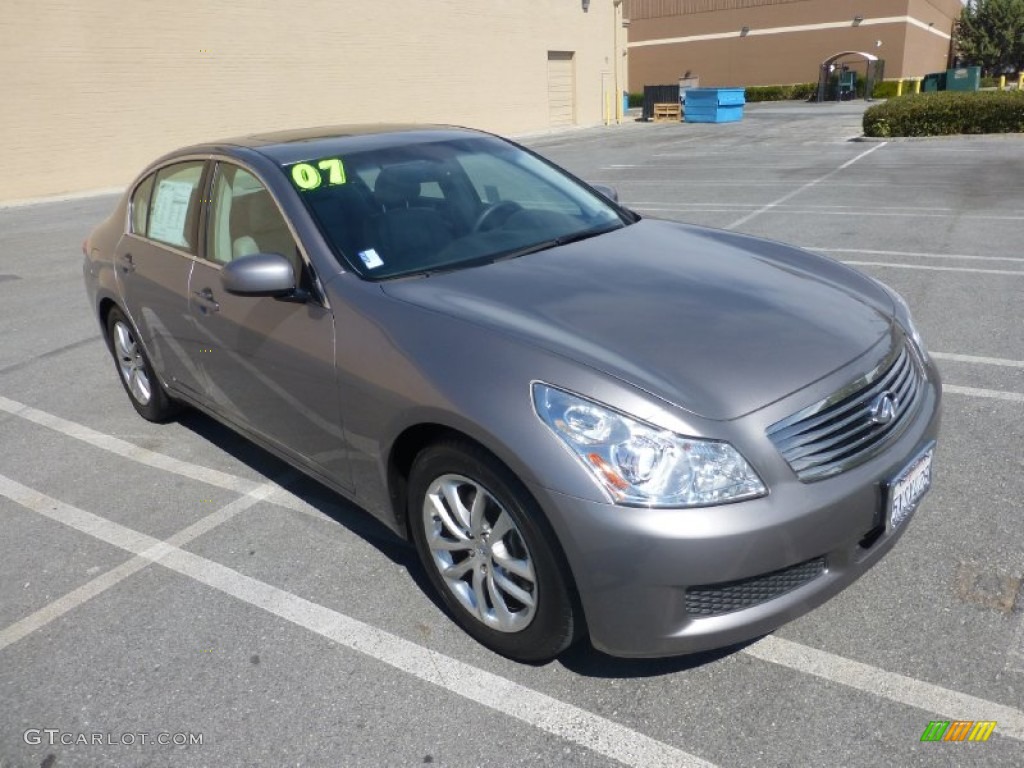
<point x="506" y="585"/>
<point x="136" y="372"/>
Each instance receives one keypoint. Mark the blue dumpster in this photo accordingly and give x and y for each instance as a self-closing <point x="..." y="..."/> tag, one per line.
<point x="713" y="105"/>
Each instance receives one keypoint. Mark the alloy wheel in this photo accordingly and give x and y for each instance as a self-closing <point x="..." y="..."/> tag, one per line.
<point x="480" y="553"/>
<point x="131" y="363"/>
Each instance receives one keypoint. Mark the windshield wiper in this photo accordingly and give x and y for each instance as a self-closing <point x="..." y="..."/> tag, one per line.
<point x="544" y="245"/>
<point x="555" y="242"/>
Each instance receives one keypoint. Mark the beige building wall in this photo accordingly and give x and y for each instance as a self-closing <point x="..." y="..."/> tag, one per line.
<point x="785" y="40"/>
<point x="92" y="91"/>
<point x="925" y="52"/>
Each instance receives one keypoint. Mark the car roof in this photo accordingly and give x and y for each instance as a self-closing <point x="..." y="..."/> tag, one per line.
<point x="290" y="146"/>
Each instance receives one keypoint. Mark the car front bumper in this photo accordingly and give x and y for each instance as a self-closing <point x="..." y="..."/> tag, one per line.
<point x="645" y="575"/>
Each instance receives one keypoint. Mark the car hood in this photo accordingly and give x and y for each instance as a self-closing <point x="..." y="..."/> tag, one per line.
<point x="717" y="323"/>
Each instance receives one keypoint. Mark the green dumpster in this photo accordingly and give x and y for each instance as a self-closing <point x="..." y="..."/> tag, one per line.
<point x="963" y="79"/>
<point x="936" y="81"/>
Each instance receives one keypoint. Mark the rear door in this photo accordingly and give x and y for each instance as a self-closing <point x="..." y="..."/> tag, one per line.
<point x="153" y="264"/>
<point x="269" y="362"/>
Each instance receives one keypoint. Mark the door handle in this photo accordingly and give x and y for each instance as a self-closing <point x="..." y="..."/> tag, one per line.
<point x="127" y="263"/>
<point x="209" y="303"/>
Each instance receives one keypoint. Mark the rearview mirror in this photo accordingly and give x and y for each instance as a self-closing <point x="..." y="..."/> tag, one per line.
<point x="260" y="274"/>
<point x="609" y="192"/>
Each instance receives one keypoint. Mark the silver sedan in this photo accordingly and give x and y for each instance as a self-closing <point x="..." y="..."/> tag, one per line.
<point x="662" y="437"/>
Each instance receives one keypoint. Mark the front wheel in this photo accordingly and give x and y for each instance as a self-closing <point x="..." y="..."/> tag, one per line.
<point x="135" y="370"/>
<point x="484" y="544"/>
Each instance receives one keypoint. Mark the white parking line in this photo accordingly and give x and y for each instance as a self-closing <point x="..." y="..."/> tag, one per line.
<point x="888" y="685"/>
<point x="807" y="210"/>
<point x="992" y="394"/>
<point x="698" y="153"/>
<point x="931" y="268"/>
<point x="67" y="197"/>
<point x="549" y="714"/>
<point x="764" y="209"/>
<point x="535" y="708"/>
<point x="103" y="582"/>
<point x="1001" y="361"/>
<point x="128" y="450"/>
<point x="803" y="207"/>
<point x="913" y="254"/>
<point x="626" y="183"/>
<point x="77" y="430"/>
<point x="136" y="453"/>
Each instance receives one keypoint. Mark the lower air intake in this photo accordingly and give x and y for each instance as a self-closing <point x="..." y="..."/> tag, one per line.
<point x="729" y="596"/>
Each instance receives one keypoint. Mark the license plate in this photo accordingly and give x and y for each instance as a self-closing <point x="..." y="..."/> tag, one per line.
<point x="909" y="486"/>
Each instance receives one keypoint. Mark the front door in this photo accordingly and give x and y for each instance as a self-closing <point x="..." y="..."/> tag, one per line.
<point x="269" y="362"/>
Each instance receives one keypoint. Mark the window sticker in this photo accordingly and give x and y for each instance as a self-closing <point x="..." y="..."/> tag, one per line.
<point x="170" y="209"/>
<point x="371" y="259"/>
<point x="310" y="176"/>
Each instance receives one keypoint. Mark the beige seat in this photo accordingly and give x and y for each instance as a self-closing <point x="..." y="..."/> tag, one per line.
<point x="257" y="226"/>
<point x="243" y="246"/>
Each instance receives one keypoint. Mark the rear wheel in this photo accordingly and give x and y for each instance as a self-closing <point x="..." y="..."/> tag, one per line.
<point x="484" y="544"/>
<point x="135" y="370"/>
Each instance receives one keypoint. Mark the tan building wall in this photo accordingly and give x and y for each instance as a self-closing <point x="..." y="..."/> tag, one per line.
<point x="923" y="49"/>
<point x="785" y="40"/>
<point x="92" y="91"/>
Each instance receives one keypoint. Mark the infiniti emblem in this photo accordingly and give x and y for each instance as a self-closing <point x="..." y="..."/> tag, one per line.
<point x="883" y="408"/>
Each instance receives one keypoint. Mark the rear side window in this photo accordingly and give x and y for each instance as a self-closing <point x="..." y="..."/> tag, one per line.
<point x="174" y="208"/>
<point x="140" y="205"/>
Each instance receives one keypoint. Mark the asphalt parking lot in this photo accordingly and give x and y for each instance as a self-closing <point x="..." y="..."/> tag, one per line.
<point x="173" y="583"/>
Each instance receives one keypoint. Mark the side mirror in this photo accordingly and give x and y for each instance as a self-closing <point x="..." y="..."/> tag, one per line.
<point x="610" y="192"/>
<point x="260" y="274"/>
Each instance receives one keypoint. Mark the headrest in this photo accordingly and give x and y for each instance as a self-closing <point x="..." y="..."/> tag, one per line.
<point x="262" y="212"/>
<point x="396" y="186"/>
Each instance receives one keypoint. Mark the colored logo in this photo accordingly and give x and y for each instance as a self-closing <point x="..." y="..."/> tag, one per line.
<point x="958" y="730"/>
<point x="883" y="409"/>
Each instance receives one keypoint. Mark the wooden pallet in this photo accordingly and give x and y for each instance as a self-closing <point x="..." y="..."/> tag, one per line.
<point x="668" y="112"/>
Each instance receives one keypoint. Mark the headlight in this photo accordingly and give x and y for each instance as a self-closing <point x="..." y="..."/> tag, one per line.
<point x="905" y="319"/>
<point x="639" y="464"/>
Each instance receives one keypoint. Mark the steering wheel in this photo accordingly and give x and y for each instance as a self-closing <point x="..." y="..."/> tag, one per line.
<point x="488" y="215"/>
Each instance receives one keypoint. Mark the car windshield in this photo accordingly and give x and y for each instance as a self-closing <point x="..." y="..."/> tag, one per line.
<point x="425" y="207"/>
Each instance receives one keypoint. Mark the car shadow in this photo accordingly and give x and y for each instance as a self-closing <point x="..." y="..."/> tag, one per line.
<point x="332" y="505"/>
<point x="582" y="659"/>
<point x="314" y="493"/>
<point x="586" y="661"/>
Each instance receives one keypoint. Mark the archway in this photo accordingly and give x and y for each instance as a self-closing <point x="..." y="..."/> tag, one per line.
<point x="874" y="71"/>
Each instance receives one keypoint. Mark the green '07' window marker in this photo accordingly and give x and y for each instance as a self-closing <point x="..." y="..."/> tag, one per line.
<point x="308" y="177"/>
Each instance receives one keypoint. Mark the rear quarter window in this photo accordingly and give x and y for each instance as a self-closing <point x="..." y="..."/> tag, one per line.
<point x="140" y="205"/>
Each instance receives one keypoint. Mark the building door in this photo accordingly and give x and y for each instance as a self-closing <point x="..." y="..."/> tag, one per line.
<point x="561" y="88"/>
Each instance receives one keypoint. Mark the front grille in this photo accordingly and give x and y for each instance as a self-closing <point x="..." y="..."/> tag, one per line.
<point x="717" y="599"/>
<point x="840" y="432"/>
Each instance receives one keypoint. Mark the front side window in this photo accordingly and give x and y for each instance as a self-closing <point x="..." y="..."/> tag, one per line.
<point x="244" y="219"/>
<point x="447" y="204"/>
<point x="174" y="207"/>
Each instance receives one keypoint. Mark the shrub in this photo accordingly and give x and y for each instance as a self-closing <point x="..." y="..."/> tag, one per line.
<point x="803" y="91"/>
<point x="636" y="100"/>
<point x="947" y="112"/>
<point x="887" y="89"/>
<point x="767" y="93"/>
